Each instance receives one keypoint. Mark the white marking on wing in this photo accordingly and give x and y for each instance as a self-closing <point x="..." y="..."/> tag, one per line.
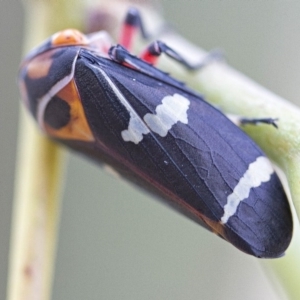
<point x="136" y="128"/>
<point x="172" y="110"/>
<point x="258" y="172"/>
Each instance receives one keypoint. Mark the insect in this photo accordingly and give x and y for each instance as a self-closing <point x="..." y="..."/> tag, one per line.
<point x="121" y="110"/>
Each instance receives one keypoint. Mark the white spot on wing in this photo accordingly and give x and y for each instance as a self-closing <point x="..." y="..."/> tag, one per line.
<point x="135" y="130"/>
<point x="136" y="127"/>
<point x="172" y="110"/>
<point x="258" y="172"/>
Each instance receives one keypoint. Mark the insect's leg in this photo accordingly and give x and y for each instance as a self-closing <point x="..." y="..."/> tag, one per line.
<point x="270" y="121"/>
<point x="121" y="55"/>
<point x="130" y="27"/>
<point x="156" y="48"/>
<point x="240" y="121"/>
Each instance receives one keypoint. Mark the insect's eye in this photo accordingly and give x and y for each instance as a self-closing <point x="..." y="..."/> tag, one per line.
<point x="69" y="37"/>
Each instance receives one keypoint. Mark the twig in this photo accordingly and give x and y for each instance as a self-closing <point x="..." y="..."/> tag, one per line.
<point x="36" y="214"/>
<point x="38" y="176"/>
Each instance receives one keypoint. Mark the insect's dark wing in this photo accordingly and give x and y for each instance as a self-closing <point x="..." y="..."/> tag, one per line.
<point x="196" y="156"/>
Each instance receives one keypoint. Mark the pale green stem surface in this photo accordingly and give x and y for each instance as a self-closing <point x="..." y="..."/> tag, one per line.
<point x="36" y="214"/>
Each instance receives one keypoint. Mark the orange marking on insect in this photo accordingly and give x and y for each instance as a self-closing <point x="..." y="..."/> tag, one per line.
<point x="40" y="65"/>
<point x="78" y="127"/>
<point x="216" y="227"/>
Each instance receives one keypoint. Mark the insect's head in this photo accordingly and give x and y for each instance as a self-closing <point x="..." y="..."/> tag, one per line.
<point x="46" y="81"/>
<point x="68" y="37"/>
<point x="99" y="42"/>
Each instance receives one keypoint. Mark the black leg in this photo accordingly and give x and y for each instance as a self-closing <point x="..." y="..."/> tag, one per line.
<point x="270" y="121"/>
<point x="156" y="48"/>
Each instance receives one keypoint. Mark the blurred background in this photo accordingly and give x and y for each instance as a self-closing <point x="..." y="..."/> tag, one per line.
<point x="118" y="243"/>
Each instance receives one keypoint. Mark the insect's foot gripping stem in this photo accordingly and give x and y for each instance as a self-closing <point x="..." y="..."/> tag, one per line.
<point x="270" y="121"/>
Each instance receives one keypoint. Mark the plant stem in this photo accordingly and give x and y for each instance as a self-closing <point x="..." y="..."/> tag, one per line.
<point x="36" y="215"/>
<point x="38" y="176"/>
